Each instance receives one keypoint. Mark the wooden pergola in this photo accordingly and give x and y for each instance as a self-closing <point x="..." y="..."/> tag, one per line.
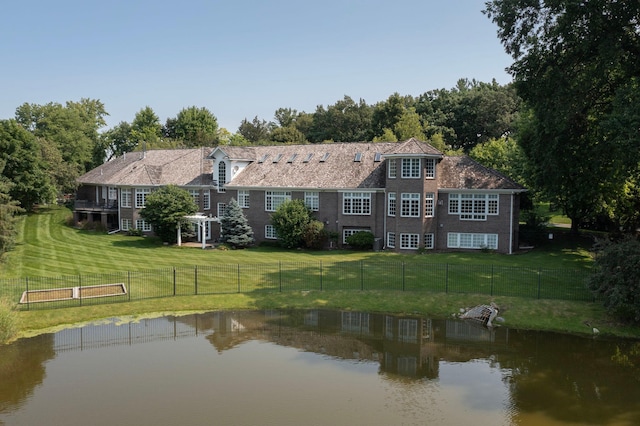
<point x="201" y="220"/>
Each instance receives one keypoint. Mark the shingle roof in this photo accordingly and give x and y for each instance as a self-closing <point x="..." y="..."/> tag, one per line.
<point x="462" y="172"/>
<point x="322" y="166"/>
<point x="181" y="167"/>
<point x="412" y="146"/>
<point x="318" y="166"/>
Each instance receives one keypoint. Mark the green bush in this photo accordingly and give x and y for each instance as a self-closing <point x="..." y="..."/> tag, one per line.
<point x="361" y="240"/>
<point x="616" y="277"/>
<point x="8" y="321"/>
<point x="314" y="235"/>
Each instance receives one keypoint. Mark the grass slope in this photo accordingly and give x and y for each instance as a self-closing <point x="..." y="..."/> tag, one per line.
<point x="48" y="247"/>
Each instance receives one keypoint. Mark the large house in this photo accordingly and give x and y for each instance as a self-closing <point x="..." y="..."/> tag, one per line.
<point x="408" y="194"/>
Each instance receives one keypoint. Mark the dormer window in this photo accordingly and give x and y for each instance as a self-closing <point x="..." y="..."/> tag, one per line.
<point x="222" y="176"/>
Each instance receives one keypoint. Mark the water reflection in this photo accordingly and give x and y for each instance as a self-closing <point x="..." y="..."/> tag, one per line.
<point x="509" y="376"/>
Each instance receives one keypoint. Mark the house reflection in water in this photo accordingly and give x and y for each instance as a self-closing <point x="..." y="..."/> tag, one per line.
<point x="407" y="346"/>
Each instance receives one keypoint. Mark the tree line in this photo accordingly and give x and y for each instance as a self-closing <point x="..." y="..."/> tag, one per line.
<point x="567" y="127"/>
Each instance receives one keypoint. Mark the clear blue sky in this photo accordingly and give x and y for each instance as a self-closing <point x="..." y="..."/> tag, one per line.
<point x="239" y="58"/>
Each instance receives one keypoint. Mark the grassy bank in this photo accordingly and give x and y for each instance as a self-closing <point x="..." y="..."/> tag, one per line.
<point x="48" y="247"/>
<point x="551" y="315"/>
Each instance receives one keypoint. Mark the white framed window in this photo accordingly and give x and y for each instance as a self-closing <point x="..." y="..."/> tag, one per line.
<point x="391" y="239"/>
<point x="429" y="204"/>
<point x="206" y="199"/>
<point x="312" y="200"/>
<point x="473" y="206"/>
<point x="141" y="197"/>
<point x="243" y="199"/>
<point x="388" y="327"/>
<point x="393" y="171"/>
<point x="492" y="204"/>
<point x="408" y="330"/>
<point x="346" y="233"/>
<point x="112" y="193"/>
<point x="222" y="208"/>
<point x="125" y="197"/>
<point x="125" y="224"/>
<point x="355" y="322"/>
<point x="410" y="205"/>
<point x="270" y="232"/>
<point x="391" y="204"/>
<point x="428" y="241"/>
<point x="472" y="241"/>
<point x="410" y="168"/>
<point x="430" y="168"/>
<point x="274" y="199"/>
<point x="195" y="195"/>
<point x="143" y="225"/>
<point x="222" y="176"/>
<point x="356" y="203"/>
<point x="409" y="241"/>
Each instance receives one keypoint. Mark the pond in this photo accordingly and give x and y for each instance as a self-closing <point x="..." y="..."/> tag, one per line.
<point x="315" y="367"/>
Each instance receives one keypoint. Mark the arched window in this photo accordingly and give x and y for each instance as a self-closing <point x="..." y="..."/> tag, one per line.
<point x="222" y="175"/>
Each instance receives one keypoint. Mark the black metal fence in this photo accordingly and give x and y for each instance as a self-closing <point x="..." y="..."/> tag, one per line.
<point x="90" y="289"/>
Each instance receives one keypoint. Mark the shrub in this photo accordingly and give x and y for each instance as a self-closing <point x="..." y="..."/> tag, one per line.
<point x="361" y="240"/>
<point x="314" y="235"/>
<point x="290" y="221"/>
<point x="8" y="321"/>
<point x="616" y="278"/>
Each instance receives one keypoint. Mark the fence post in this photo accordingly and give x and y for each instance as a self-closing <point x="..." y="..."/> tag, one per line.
<point x="403" y="275"/>
<point x="491" y="290"/>
<point x="80" y="288"/>
<point x="129" y="283"/>
<point x="195" y="278"/>
<point x="27" y="293"/>
<point x="280" y="274"/>
<point x="446" y="279"/>
<point x="174" y="280"/>
<point x="361" y="275"/>
<point x="238" y="277"/>
<point x="321" y="275"/>
<point x="539" y="280"/>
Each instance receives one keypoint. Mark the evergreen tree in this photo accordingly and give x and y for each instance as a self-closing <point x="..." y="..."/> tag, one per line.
<point x="235" y="229"/>
<point x="9" y="209"/>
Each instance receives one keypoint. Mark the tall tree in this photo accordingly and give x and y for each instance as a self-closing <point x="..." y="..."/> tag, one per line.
<point x="387" y="114"/>
<point x="118" y="140"/>
<point x="146" y="127"/>
<point x="23" y="166"/>
<point x="194" y="126"/>
<point x="577" y="66"/>
<point x="409" y="126"/>
<point x="472" y="112"/>
<point x="256" y="131"/>
<point x="345" y="121"/>
<point x="73" y="128"/>
<point x="9" y="209"/>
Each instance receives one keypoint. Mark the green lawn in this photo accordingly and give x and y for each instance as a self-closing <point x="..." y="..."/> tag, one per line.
<point x="49" y="248"/>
